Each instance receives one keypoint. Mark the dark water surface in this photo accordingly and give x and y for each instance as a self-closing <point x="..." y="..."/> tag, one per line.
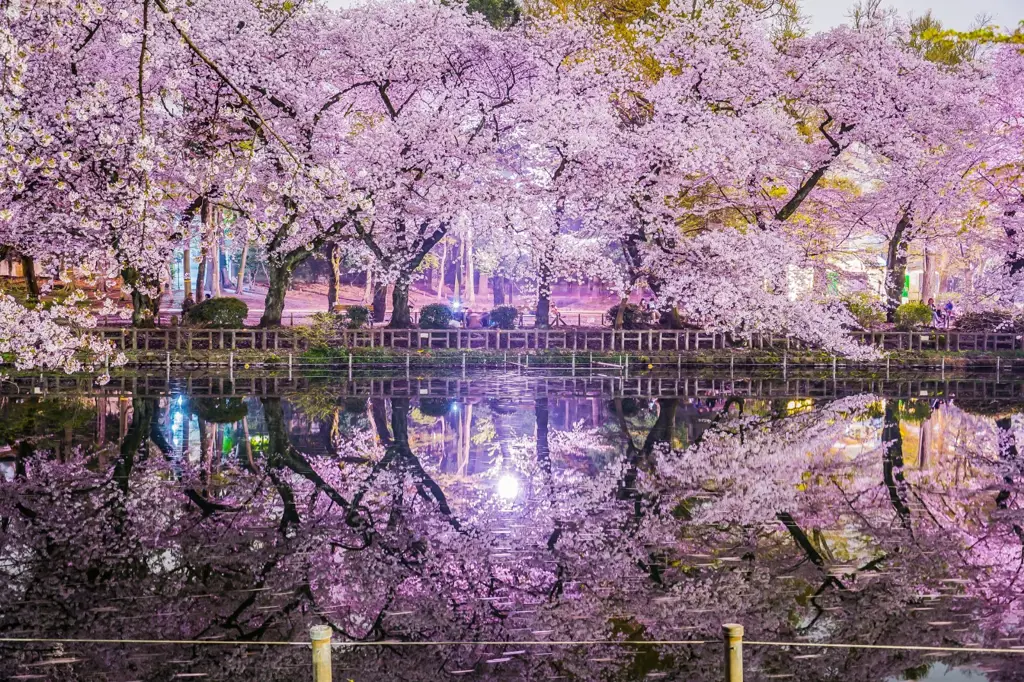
<point x="514" y="527"/>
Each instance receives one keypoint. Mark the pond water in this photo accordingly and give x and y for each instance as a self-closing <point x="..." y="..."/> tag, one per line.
<point x="511" y="527"/>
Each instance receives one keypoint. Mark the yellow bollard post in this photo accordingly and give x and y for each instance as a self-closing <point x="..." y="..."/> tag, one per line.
<point x="733" y="635"/>
<point x="321" y="636"/>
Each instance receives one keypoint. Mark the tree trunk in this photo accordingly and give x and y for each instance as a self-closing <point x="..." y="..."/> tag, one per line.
<point x="892" y="462"/>
<point x="543" y="296"/>
<point x="240" y="288"/>
<point x="470" y="275"/>
<point x="28" y="270"/>
<point x="896" y="267"/>
<point x="280" y="275"/>
<point x="819" y="282"/>
<point x="145" y="308"/>
<point x="186" y="270"/>
<point x="928" y="288"/>
<point x="498" y="290"/>
<point x="201" y="276"/>
<point x="541" y="412"/>
<point x="334" y="284"/>
<point x="400" y="317"/>
<point x="444" y="264"/>
<point x="380" y="301"/>
<point x="216" y="272"/>
<point x="620" y="313"/>
<point x="368" y="287"/>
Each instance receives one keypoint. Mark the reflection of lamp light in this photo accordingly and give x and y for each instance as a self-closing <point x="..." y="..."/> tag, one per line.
<point x="508" y="487"/>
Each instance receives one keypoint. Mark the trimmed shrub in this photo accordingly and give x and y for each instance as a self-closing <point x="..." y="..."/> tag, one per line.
<point x="913" y="314"/>
<point x="435" y="316"/>
<point x="223" y="312"/>
<point x="633" y="317"/>
<point x="504" y="317"/>
<point x="357" y="316"/>
<point x="220" y="410"/>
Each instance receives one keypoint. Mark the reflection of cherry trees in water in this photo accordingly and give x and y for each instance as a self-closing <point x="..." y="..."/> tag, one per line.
<point x="860" y="520"/>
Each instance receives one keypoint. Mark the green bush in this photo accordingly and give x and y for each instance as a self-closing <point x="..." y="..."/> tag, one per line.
<point x="220" y="410"/>
<point x="357" y="316"/>
<point x="220" y="313"/>
<point x="321" y="332"/>
<point x="504" y="317"/>
<point x="435" y="316"/>
<point x="913" y="314"/>
<point x="866" y="310"/>
<point x="633" y="317"/>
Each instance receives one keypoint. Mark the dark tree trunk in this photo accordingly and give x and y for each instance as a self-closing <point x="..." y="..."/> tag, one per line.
<point x="542" y="412"/>
<point x="380" y="301"/>
<point x="201" y="275"/>
<point x="134" y="439"/>
<point x="334" y="284"/>
<point x="620" y="313"/>
<point x="498" y="289"/>
<point x="1014" y="257"/>
<point x="892" y="464"/>
<point x="400" y="317"/>
<point x="28" y="269"/>
<point x="544" y="286"/>
<point x="145" y="308"/>
<point x="280" y="274"/>
<point x="1008" y="455"/>
<point x="896" y="266"/>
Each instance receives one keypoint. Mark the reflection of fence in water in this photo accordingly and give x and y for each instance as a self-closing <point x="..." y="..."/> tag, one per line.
<point x="506" y="385"/>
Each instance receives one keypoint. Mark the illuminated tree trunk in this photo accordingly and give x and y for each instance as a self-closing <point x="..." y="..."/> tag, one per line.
<point x="368" y="287"/>
<point x="928" y="288"/>
<point x="334" y="283"/>
<point x="240" y="283"/>
<point x="470" y="277"/>
<point x="444" y="264"/>
<point x="216" y="279"/>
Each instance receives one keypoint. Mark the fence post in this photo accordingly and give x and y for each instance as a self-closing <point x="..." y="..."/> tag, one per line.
<point x="321" y="636"/>
<point x="733" y="636"/>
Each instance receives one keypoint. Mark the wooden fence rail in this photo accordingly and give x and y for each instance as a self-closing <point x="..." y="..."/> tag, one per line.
<point x="581" y="340"/>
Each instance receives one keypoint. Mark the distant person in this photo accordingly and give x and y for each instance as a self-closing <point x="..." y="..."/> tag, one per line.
<point x="186" y="305"/>
<point x="947" y="313"/>
<point x="207" y="297"/>
<point x="556" y="316"/>
<point x="936" y="315"/>
<point x="485" y="320"/>
<point x="473" y="320"/>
